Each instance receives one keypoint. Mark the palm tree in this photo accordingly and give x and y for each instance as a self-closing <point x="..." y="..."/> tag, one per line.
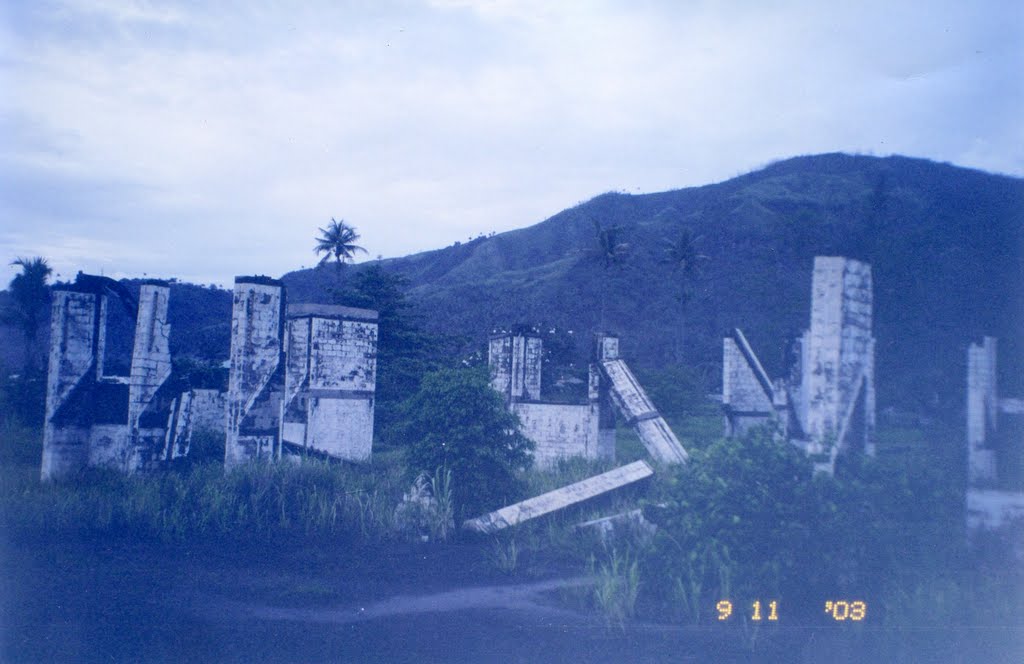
<point x="338" y="239"/>
<point x="29" y="295"/>
<point x="611" y="252"/>
<point x="682" y="256"/>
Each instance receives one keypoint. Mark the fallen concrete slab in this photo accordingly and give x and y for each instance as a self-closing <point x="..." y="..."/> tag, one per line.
<point x="552" y="501"/>
<point x="636" y="407"/>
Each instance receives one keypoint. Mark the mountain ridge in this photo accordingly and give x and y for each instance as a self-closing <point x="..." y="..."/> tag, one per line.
<point x="946" y="244"/>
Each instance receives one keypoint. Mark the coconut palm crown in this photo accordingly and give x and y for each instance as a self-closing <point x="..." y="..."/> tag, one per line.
<point x="338" y="240"/>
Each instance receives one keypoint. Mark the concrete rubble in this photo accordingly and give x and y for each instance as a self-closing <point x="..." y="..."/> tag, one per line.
<point x="631" y="524"/>
<point x="421" y="515"/>
<point x="559" y="499"/>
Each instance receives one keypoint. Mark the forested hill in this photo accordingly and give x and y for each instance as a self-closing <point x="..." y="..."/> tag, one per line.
<point x="946" y="245"/>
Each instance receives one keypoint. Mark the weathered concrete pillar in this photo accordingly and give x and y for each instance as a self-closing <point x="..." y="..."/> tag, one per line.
<point x="256" y="379"/>
<point x="606" y="347"/>
<point x="75" y="325"/>
<point x="515" y="361"/>
<point x="602" y="412"/>
<point x="151" y="367"/>
<point x="837" y="367"/>
<point x="982" y="411"/>
<point x="330" y="381"/>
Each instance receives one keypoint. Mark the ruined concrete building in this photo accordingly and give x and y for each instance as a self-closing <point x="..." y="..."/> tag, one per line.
<point x="828" y="405"/>
<point x="302" y="380"/>
<point x="991" y="421"/>
<point x="302" y="377"/>
<point x="576" y="430"/>
<point x="107" y="404"/>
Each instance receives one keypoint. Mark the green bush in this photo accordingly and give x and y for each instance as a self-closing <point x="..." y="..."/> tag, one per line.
<point x="456" y="421"/>
<point x="748" y="518"/>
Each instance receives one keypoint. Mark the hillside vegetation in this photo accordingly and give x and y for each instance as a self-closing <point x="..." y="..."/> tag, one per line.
<point x="946" y="245"/>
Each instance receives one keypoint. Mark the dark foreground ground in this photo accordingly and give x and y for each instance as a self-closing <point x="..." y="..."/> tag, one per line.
<point x="124" y="601"/>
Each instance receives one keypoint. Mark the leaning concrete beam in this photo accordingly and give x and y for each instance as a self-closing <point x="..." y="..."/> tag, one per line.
<point x="638" y="410"/>
<point x="552" y="501"/>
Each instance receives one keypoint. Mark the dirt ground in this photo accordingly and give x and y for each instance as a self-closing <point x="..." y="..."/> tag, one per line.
<point x="121" y="600"/>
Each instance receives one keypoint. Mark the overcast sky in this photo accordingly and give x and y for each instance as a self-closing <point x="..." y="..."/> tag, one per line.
<point x="176" y="140"/>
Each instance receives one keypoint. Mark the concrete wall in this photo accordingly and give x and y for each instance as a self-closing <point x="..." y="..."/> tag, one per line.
<point x="110" y="446"/>
<point x="97" y="419"/>
<point x="256" y="380"/>
<point x="560" y="431"/>
<point x="330" y="380"/>
<point x="600" y="401"/>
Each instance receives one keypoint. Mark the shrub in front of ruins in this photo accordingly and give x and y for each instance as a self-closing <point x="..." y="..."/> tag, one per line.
<point x="748" y="518"/>
<point x="742" y="514"/>
<point x="456" y="421"/>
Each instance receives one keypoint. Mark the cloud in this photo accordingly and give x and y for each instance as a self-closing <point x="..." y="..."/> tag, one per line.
<point x="225" y="135"/>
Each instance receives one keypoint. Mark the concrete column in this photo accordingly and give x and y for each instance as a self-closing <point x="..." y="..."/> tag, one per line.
<point x="256" y="380"/>
<point x="74" y="333"/>
<point x="838" y="350"/>
<point x="982" y="411"/>
<point x="151" y="367"/>
<point x="516" y="362"/>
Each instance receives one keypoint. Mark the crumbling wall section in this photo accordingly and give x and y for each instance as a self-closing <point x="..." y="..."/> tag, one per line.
<point x="256" y="379"/>
<point x="559" y="499"/>
<point x="602" y="411"/>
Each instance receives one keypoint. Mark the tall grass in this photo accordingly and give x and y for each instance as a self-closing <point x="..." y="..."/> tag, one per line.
<point x="309" y="498"/>
<point x="616" y="586"/>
